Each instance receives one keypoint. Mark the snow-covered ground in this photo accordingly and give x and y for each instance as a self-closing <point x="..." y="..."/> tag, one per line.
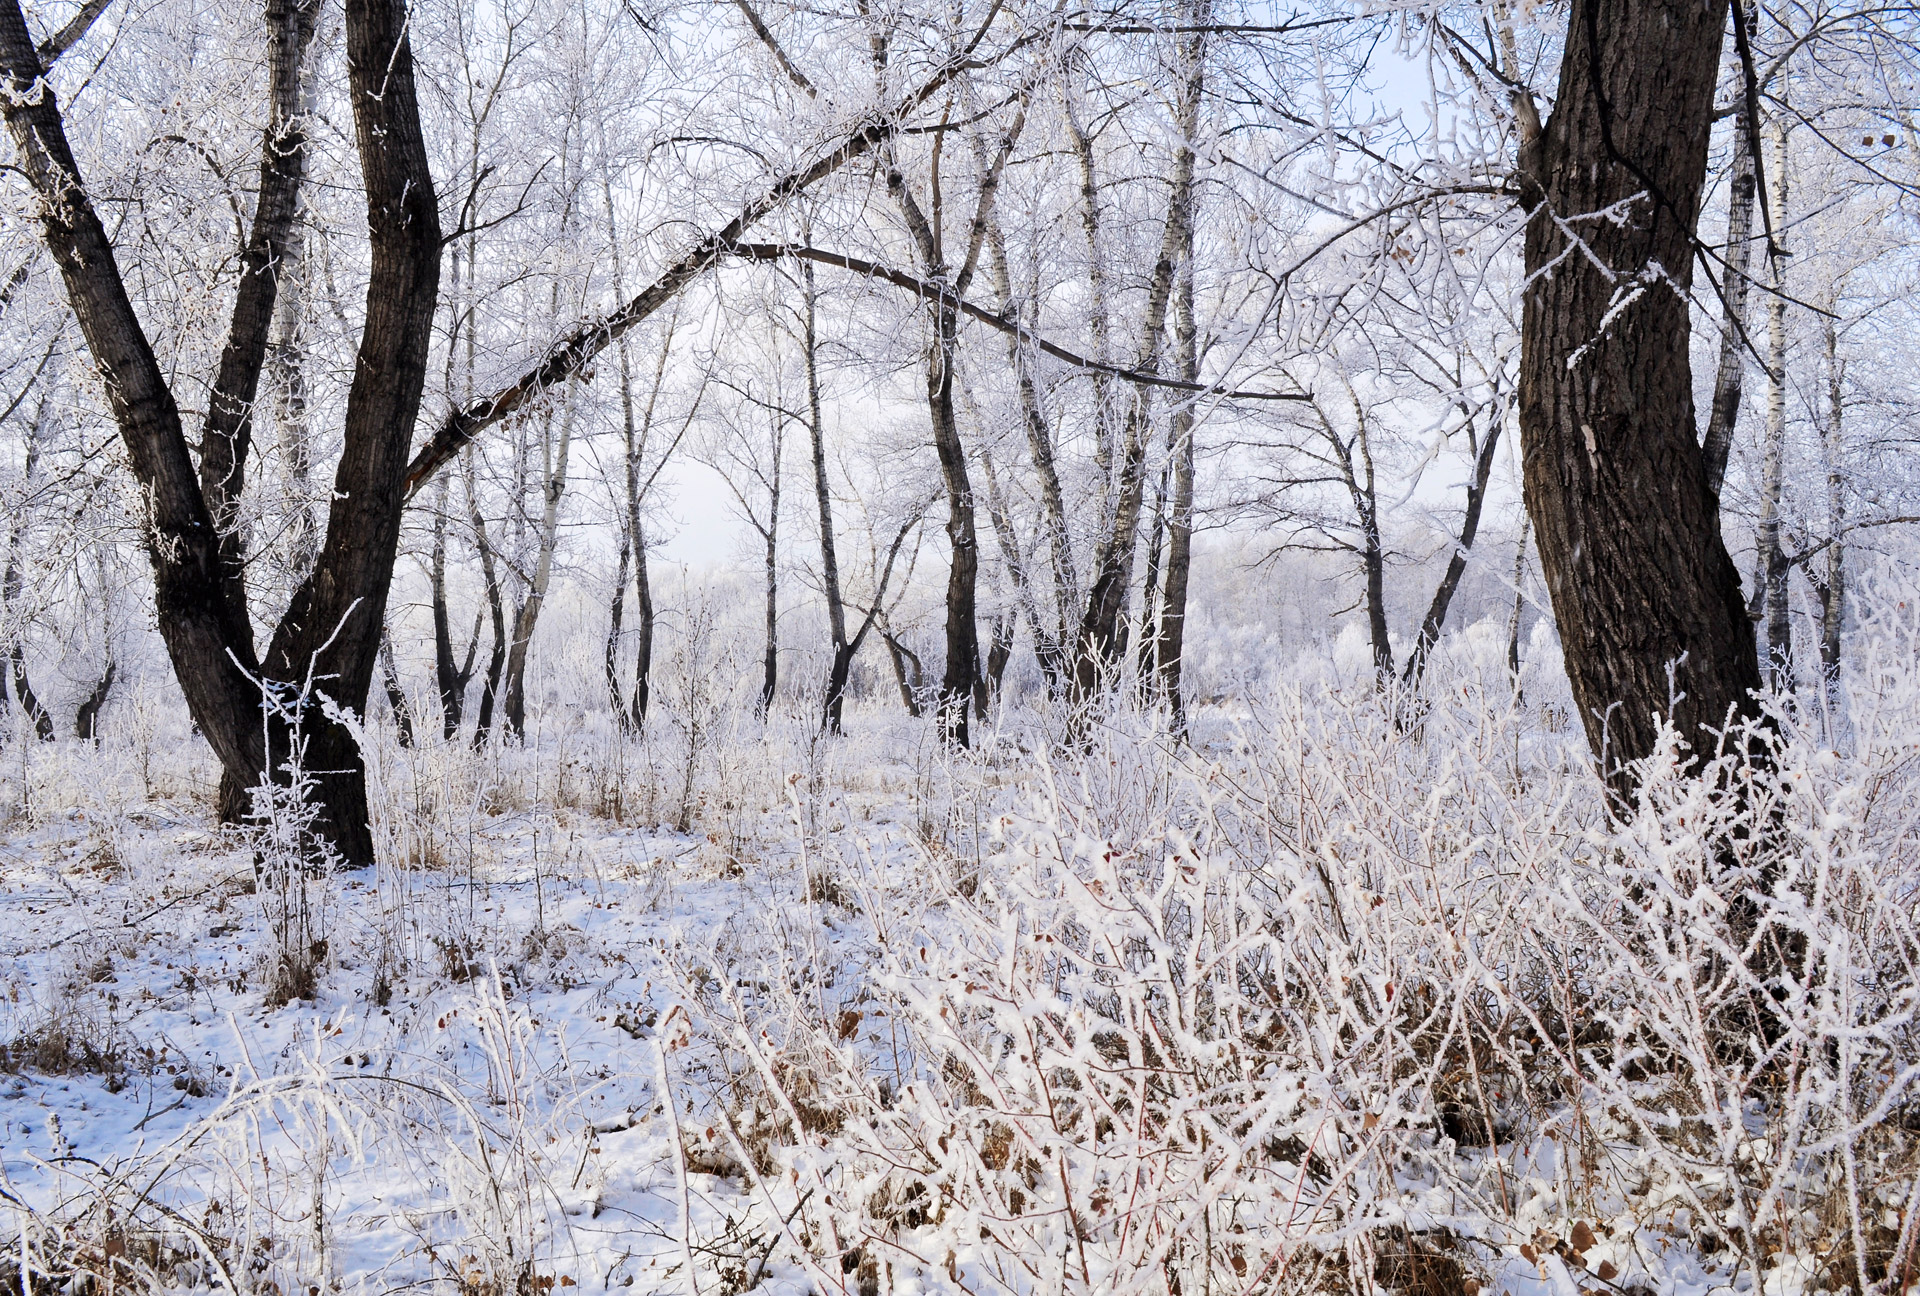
<point x="1319" y="1002"/>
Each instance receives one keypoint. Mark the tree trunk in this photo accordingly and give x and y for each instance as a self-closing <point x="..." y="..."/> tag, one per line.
<point x="770" y="658"/>
<point x="333" y="626"/>
<point x="1833" y="443"/>
<point x="841" y="665"/>
<point x="1725" y="411"/>
<point x="1173" y="605"/>
<point x="1773" y="557"/>
<point x="553" y="485"/>
<point x="1647" y="599"/>
<point x="1097" y="313"/>
<point x="1519" y="604"/>
<point x="616" y="614"/>
<point x="450" y="677"/>
<point x="86" y="721"/>
<point x="1148" y="668"/>
<point x="11" y="585"/>
<point x="1098" y="639"/>
<point x="496" y="611"/>
<point x="963" y="636"/>
<point x="1050" y="635"/>
<point x="906" y="671"/>
<point x="396" y="696"/>
<point x="1436" y="619"/>
<point x="329" y="635"/>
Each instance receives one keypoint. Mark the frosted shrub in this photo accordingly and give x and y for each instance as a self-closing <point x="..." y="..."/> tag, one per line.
<point x="1352" y="1008"/>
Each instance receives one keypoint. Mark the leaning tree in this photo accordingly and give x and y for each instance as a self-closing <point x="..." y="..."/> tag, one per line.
<point x="1645" y="594"/>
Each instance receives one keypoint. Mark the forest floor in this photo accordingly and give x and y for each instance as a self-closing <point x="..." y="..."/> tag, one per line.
<point x="828" y="1033"/>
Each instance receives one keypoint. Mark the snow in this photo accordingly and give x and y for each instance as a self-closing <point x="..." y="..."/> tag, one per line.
<point x="1037" y="1018"/>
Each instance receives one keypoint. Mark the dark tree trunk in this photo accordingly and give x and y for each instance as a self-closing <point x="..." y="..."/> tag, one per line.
<point x="396" y="696"/>
<point x="86" y="721"/>
<point x="330" y="634"/>
<point x="963" y="635"/>
<point x="999" y="652"/>
<point x="770" y="658"/>
<point x="1647" y="599"/>
<point x="906" y="671"/>
<point x="29" y="701"/>
<point x="1436" y="619"/>
<point x="201" y="618"/>
<point x="643" y="636"/>
<point x="841" y="666"/>
<point x="616" y="616"/>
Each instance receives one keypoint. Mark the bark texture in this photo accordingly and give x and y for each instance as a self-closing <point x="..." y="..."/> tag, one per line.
<point x="1647" y="599"/>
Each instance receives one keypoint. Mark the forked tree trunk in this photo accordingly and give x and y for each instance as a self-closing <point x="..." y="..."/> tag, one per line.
<point x="1646" y="597"/>
<point x="330" y="633"/>
<point x="450" y="676"/>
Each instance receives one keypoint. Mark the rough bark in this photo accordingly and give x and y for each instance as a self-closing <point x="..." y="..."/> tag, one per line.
<point x="332" y="627"/>
<point x="330" y="633"/>
<point x="1646" y="597"/>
